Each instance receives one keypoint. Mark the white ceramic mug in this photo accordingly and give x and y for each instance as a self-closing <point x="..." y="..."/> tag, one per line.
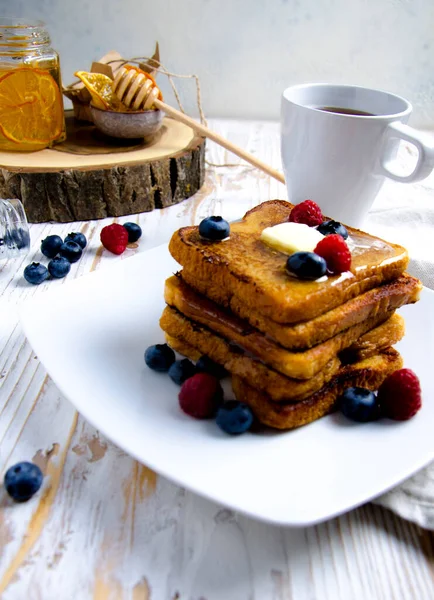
<point x="341" y="160"/>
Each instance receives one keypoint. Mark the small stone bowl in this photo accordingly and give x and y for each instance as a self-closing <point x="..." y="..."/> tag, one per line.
<point x="128" y="124"/>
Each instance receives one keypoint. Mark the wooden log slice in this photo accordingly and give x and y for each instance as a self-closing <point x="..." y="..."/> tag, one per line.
<point x="91" y="176"/>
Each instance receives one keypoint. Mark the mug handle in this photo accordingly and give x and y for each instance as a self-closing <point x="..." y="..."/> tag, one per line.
<point x="424" y="145"/>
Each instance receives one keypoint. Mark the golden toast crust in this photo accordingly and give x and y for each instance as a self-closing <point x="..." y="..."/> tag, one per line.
<point x="299" y="336"/>
<point x="278" y="386"/>
<point x="295" y="364"/>
<point x="244" y="267"/>
<point x="387" y="334"/>
<point x="193" y="340"/>
<point x="369" y="373"/>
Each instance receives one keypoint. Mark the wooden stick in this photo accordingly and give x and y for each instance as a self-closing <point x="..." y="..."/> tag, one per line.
<point x="218" y="139"/>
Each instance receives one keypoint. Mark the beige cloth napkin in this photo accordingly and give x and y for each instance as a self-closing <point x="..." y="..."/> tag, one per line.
<point x="404" y="214"/>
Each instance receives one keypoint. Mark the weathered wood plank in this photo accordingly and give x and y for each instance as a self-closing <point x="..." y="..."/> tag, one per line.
<point x="105" y="527"/>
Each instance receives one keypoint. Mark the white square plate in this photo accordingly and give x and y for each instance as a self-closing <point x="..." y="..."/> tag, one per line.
<point x="91" y="335"/>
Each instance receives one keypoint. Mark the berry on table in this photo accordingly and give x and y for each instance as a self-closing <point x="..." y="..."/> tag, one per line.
<point x="306" y="265"/>
<point x="114" y="238"/>
<point x="159" y="357"/>
<point x="20" y="238"/>
<point x="307" y="213"/>
<point x="206" y="365"/>
<point x="71" y="251"/>
<point x="214" y="229"/>
<point x="134" y="232"/>
<point x="400" y="395"/>
<point x="234" y="417"/>
<point x="23" y="480"/>
<point x="59" y="266"/>
<point x="79" y="238"/>
<point x="359" y="404"/>
<point x="330" y="227"/>
<point x="200" y="396"/>
<point x="35" y="273"/>
<point x="336" y="253"/>
<point x="51" y="245"/>
<point x="181" y="370"/>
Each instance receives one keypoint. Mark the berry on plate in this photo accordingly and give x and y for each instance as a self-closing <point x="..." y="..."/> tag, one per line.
<point x="79" y="238"/>
<point x="400" y="395"/>
<point x="134" y="232"/>
<point x="23" y="480"/>
<point x="59" y="266"/>
<point x="306" y="265"/>
<point x="214" y="229"/>
<point x="114" y="237"/>
<point x="359" y="404"/>
<point x="71" y="251"/>
<point x="234" y="417"/>
<point x="206" y="365"/>
<point x="35" y="273"/>
<point x="330" y="227"/>
<point x="307" y="212"/>
<point x="181" y="370"/>
<point x="159" y="357"/>
<point x="335" y="252"/>
<point x="51" y="245"/>
<point x="200" y="396"/>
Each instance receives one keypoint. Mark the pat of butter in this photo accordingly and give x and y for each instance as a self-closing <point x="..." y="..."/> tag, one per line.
<point x="291" y="237"/>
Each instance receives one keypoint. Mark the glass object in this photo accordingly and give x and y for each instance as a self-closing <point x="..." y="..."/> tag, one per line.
<point x="31" y="103"/>
<point x="14" y="230"/>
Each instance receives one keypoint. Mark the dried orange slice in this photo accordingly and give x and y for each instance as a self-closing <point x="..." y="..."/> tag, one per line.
<point x="31" y="107"/>
<point x="100" y="88"/>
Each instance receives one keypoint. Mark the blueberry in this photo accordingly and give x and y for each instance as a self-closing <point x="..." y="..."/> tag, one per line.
<point x="134" y="232"/>
<point x="71" y="251"/>
<point x="79" y="238"/>
<point x="159" y="357"/>
<point x="35" y="273"/>
<point x="330" y="227"/>
<point x="181" y="370"/>
<point x="306" y="265"/>
<point x="59" y="266"/>
<point x="20" y="238"/>
<point x="234" y="417"/>
<point x="214" y="228"/>
<point x="51" y="245"/>
<point x="23" y="480"/>
<point x="359" y="404"/>
<point x="206" y="365"/>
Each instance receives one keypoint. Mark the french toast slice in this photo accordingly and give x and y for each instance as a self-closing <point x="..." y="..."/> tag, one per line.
<point x="295" y="364"/>
<point x="368" y="373"/>
<point x="385" y="335"/>
<point x="299" y="336"/>
<point x="245" y="267"/>
<point x="194" y="340"/>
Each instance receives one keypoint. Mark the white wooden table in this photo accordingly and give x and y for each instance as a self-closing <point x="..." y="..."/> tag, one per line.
<point x="105" y="527"/>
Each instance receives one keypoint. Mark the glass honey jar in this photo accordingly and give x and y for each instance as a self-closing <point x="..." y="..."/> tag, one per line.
<point x="31" y="103"/>
<point x="14" y="230"/>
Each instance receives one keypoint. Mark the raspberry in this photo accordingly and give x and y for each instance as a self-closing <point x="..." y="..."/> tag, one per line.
<point x="336" y="253"/>
<point x="114" y="237"/>
<point x="400" y="395"/>
<point x="200" y="396"/>
<point x="307" y="212"/>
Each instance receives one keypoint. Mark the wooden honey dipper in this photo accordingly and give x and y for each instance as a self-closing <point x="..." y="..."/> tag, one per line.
<point x="139" y="92"/>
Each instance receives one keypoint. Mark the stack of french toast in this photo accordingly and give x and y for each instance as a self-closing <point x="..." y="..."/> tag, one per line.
<point x="291" y="346"/>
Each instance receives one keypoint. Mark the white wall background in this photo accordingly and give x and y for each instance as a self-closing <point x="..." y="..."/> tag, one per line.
<point x="247" y="51"/>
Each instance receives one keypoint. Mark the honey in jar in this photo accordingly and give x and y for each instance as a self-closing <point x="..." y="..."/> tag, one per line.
<point x="31" y="103"/>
